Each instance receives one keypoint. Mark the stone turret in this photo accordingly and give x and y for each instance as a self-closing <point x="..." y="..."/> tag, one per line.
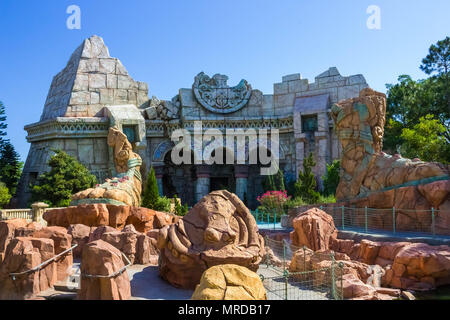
<point x="92" y="80"/>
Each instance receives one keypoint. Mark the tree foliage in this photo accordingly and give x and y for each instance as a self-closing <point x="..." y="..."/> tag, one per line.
<point x="151" y="193"/>
<point x="3" y="124"/>
<point x="438" y="58"/>
<point x="409" y="102"/>
<point x="426" y="141"/>
<point x="66" y="177"/>
<point x="305" y="187"/>
<point x="179" y="209"/>
<point x="274" y="182"/>
<point x="10" y="167"/>
<point x="331" y="178"/>
<point x="151" y="198"/>
<point x="5" y="196"/>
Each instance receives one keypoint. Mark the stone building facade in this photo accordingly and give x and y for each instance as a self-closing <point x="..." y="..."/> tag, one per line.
<point x="94" y="91"/>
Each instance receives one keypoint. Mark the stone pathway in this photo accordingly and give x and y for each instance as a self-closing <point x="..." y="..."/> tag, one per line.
<point x="147" y="285"/>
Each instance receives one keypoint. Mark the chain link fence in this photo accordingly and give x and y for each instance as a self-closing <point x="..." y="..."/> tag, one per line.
<point x="289" y="272"/>
<point x="392" y="220"/>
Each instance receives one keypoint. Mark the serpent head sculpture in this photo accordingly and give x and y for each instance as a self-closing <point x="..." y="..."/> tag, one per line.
<point x="217" y="230"/>
<point x="126" y="187"/>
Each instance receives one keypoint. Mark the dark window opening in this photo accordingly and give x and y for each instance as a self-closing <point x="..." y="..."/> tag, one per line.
<point x="309" y="123"/>
<point x="130" y="132"/>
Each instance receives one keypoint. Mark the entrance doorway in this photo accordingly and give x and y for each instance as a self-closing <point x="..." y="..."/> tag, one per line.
<point x="219" y="183"/>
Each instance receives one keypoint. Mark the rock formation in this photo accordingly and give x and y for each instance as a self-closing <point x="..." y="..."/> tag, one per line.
<point x="102" y="259"/>
<point x="62" y="241"/>
<point x="359" y="124"/>
<point x="371" y="178"/>
<point x="24" y="254"/>
<point x="314" y="229"/>
<point x="229" y="282"/>
<point x="101" y="214"/>
<point x="7" y="233"/>
<point x="372" y="270"/>
<point x="126" y="187"/>
<point x="217" y="230"/>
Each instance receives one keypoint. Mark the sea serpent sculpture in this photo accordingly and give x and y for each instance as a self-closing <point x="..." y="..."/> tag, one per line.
<point x="365" y="168"/>
<point x="126" y="187"/>
<point x="217" y="230"/>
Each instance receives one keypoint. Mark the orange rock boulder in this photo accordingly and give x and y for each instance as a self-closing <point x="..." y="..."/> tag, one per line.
<point x="314" y="229"/>
<point x="22" y="255"/>
<point x="217" y="230"/>
<point x="100" y="214"/>
<point x="99" y="258"/>
<point x="63" y="241"/>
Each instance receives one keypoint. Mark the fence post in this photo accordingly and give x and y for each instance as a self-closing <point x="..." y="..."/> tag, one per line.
<point x="38" y="209"/>
<point x="284" y="256"/>
<point x="433" y="226"/>
<point x="393" y="218"/>
<point x="286" y="279"/>
<point x="275" y="219"/>
<point x="343" y="223"/>
<point x="333" y="280"/>
<point x="304" y="258"/>
<point x="268" y="217"/>
<point x="365" y="216"/>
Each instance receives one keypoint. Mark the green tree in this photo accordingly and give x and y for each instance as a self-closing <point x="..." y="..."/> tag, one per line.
<point x="408" y="101"/>
<point x="331" y="178"/>
<point x="5" y="196"/>
<point x="426" y="141"/>
<point x="274" y="182"/>
<point x="3" y="124"/>
<point x="305" y="187"/>
<point x="10" y="167"/>
<point x="179" y="209"/>
<point x="438" y="58"/>
<point x="151" y="194"/>
<point x="66" y="177"/>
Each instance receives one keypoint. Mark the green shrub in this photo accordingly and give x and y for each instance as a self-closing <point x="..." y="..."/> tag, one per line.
<point x="305" y="187"/>
<point x="162" y="204"/>
<point x="179" y="209"/>
<point x="5" y="196"/>
<point x="66" y="177"/>
<point x="331" y="178"/>
<point x="150" y="197"/>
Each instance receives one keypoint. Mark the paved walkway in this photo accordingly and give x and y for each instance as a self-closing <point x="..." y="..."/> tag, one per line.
<point x="147" y="285"/>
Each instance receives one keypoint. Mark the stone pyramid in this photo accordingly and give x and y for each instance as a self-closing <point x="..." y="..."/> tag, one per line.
<point x="92" y="80"/>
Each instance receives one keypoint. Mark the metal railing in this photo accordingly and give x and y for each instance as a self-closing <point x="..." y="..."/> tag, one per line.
<point x="267" y="218"/>
<point x="392" y="221"/>
<point x="298" y="273"/>
<point x="40" y="266"/>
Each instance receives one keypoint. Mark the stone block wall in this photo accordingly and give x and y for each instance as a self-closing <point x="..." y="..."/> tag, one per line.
<point x="92" y="80"/>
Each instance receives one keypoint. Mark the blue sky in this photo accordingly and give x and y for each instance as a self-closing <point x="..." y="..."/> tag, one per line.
<point x="166" y="43"/>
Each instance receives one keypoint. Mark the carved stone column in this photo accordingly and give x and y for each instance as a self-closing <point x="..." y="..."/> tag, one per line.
<point x="241" y="176"/>
<point x="299" y="153"/>
<point x="203" y="182"/>
<point x="322" y="140"/>
<point x="38" y="210"/>
<point x="159" y="173"/>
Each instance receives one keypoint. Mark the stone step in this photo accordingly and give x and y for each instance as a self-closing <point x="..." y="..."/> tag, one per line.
<point x="72" y="283"/>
